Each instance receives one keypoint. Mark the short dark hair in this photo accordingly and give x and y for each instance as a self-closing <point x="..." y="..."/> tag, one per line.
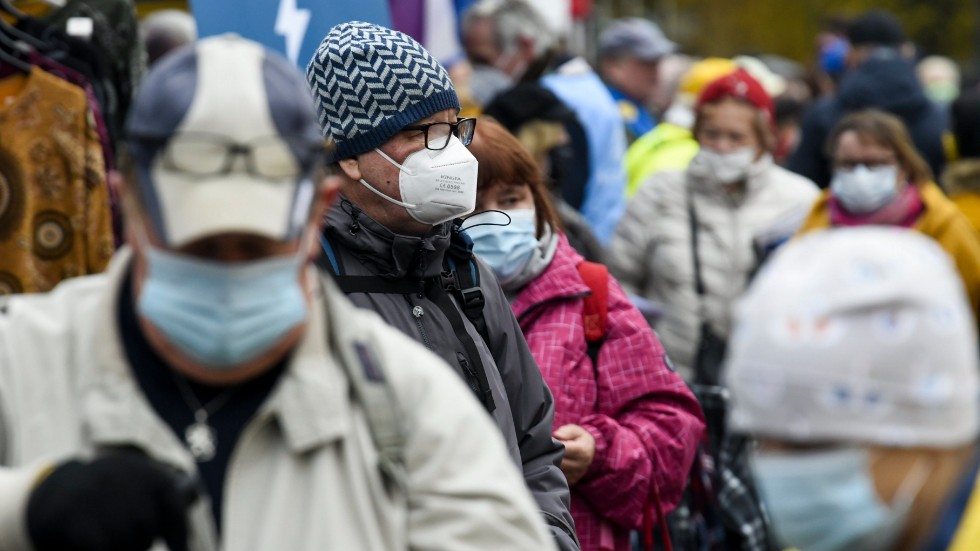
<point x="876" y="27"/>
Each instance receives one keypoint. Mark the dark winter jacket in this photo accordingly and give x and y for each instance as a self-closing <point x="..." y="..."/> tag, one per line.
<point x="886" y="82"/>
<point x="523" y="405"/>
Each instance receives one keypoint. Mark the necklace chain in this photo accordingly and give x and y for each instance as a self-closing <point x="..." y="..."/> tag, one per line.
<point x="200" y="436"/>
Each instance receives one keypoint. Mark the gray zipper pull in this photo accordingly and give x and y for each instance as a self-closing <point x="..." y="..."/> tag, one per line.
<point x="418" y="311"/>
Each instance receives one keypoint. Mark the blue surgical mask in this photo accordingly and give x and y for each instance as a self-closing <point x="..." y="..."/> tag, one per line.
<point x="505" y="247"/>
<point x="826" y="500"/>
<point x="222" y="314"/>
<point x="862" y="190"/>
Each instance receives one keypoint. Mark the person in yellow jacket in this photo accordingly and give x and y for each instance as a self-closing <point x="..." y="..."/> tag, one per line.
<point x="880" y="179"/>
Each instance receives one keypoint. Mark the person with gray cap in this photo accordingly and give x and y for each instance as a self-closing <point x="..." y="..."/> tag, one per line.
<point x="211" y="391"/>
<point x="880" y="75"/>
<point x="854" y="364"/>
<point x="630" y="51"/>
<point x="394" y="242"/>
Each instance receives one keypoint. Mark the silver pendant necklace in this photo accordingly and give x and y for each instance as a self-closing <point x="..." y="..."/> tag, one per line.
<point x="200" y="437"/>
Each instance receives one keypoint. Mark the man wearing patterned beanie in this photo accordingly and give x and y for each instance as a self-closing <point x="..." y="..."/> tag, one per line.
<point x="394" y="245"/>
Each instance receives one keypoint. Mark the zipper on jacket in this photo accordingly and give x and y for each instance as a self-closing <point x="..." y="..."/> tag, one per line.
<point x="422" y="266"/>
<point x="471" y="379"/>
<point x="417" y="313"/>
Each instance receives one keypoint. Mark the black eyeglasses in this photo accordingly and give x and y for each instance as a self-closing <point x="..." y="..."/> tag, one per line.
<point x="203" y="154"/>
<point x="437" y="134"/>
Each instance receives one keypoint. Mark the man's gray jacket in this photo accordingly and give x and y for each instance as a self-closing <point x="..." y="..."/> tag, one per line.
<point x="523" y="404"/>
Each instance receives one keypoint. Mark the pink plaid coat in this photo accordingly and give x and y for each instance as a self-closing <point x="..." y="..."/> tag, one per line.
<point x="645" y="421"/>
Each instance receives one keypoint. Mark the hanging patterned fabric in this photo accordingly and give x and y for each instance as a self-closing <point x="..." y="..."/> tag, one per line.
<point x="54" y="205"/>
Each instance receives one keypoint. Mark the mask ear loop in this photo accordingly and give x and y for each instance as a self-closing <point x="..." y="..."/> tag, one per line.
<point x="386" y="197"/>
<point x="509" y="220"/>
<point x="381" y="194"/>
<point x="392" y="161"/>
<point x="914" y="481"/>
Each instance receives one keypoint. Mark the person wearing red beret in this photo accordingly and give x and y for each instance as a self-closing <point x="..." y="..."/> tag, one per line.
<point x="688" y="239"/>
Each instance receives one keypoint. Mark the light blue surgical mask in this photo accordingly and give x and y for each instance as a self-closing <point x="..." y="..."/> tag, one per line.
<point x="862" y="190"/>
<point x="826" y="500"/>
<point x="506" y="246"/>
<point x="222" y="314"/>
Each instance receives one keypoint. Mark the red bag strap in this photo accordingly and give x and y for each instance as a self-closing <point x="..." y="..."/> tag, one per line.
<point x="595" y="311"/>
<point x="661" y="520"/>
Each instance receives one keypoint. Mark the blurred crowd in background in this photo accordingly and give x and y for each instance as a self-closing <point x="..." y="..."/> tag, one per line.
<point x="800" y="231"/>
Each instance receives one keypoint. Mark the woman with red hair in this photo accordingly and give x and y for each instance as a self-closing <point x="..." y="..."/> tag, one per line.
<point x="629" y="424"/>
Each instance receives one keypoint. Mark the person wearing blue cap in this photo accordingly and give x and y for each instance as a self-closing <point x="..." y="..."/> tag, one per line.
<point x="210" y="391"/>
<point x="393" y="242"/>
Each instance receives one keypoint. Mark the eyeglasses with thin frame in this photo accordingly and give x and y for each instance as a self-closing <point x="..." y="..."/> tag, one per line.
<point x="436" y="134"/>
<point x="203" y="154"/>
<point x="851" y="164"/>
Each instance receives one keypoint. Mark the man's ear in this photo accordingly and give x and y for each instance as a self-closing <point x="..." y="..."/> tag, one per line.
<point x="351" y="168"/>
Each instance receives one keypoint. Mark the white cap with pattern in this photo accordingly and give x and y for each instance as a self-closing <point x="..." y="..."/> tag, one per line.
<point x="857" y="335"/>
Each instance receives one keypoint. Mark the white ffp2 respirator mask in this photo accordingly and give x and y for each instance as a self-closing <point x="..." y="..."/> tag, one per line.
<point x="436" y="186"/>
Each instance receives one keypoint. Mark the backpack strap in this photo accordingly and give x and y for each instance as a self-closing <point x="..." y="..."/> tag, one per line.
<point x="442" y="299"/>
<point x="329" y="261"/>
<point x="462" y="279"/>
<point x="370" y="387"/>
<point x="595" y="308"/>
<point x="463" y="284"/>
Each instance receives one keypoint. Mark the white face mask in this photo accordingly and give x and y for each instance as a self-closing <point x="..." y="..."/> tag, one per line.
<point x="436" y="186"/>
<point x="723" y="168"/>
<point x="862" y="190"/>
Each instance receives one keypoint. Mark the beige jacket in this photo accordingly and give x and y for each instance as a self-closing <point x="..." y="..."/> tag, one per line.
<point x="304" y="473"/>
<point x="651" y="251"/>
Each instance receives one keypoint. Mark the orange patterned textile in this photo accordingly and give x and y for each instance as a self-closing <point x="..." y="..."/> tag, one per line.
<point x="54" y="202"/>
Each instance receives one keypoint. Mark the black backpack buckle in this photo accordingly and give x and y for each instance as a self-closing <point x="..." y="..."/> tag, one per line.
<point x="472" y="298"/>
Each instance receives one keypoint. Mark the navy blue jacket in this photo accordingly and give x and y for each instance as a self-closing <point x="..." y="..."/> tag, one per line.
<point x="885" y="82"/>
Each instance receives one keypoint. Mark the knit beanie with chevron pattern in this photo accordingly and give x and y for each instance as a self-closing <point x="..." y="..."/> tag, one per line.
<point x="369" y="81"/>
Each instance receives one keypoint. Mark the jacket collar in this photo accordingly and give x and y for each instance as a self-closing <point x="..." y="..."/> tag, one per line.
<point x="937" y="211"/>
<point x="310" y="401"/>
<point x="561" y="280"/>
<point x="382" y="251"/>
